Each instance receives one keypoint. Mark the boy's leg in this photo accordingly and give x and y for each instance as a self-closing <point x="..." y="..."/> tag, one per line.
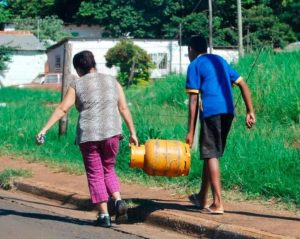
<point x="205" y="185"/>
<point x="214" y="131"/>
<point x="215" y="182"/>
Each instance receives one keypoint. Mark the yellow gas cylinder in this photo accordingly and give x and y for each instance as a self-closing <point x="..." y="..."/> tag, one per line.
<point x="162" y="158"/>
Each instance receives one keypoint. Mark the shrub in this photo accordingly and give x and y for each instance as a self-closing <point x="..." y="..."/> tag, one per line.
<point x="133" y="63"/>
<point x="5" y="57"/>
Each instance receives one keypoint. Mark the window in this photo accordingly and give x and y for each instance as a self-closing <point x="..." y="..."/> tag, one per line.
<point x="57" y="63"/>
<point x="160" y="60"/>
<point x="52" y="79"/>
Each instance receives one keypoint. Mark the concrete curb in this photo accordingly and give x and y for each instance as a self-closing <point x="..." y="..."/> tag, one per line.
<point x="46" y="191"/>
<point x="185" y="224"/>
<point x="203" y="227"/>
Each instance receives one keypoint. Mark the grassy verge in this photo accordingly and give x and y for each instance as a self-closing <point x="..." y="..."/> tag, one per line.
<point x="8" y="174"/>
<point x="263" y="162"/>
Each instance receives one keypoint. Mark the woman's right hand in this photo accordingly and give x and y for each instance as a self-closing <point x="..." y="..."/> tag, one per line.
<point x="42" y="132"/>
<point x="40" y="137"/>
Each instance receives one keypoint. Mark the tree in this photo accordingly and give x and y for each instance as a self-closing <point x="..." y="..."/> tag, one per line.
<point x="5" y="14"/>
<point x="142" y="19"/>
<point x="161" y="18"/>
<point x="32" y="9"/>
<point x="290" y="15"/>
<point x="5" y="57"/>
<point x="265" y="29"/>
<point x="133" y="63"/>
<point x="66" y="9"/>
<point x="48" y="29"/>
<point x="192" y="24"/>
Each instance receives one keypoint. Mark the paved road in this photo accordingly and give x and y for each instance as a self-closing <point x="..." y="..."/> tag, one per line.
<point x="19" y="221"/>
<point x="24" y="216"/>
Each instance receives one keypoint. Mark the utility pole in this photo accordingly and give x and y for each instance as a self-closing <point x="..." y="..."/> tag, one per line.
<point x="240" y="27"/>
<point x="63" y="123"/>
<point x="38" y="29"/>
<point x="210" y="25"/>
<point x="248" y="40"/>
<point x="180" y="43"/>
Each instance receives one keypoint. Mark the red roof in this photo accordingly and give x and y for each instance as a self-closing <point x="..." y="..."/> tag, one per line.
<point x="15" y="33"/>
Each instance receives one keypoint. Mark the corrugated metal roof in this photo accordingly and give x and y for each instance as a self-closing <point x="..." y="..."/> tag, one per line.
<point x="22" y="41"/>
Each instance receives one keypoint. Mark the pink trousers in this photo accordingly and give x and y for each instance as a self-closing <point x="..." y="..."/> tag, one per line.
<point x="99" y="161"/>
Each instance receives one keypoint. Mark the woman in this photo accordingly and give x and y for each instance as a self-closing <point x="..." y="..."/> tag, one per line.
<point x="100" y="101"/>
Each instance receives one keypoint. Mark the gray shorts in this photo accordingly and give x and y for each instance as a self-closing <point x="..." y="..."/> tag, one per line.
<point x="213" y="135"/>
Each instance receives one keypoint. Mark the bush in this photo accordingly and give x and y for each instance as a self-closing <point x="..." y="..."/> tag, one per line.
<point x="133" y="63"/>
<point x="5" y="57"/>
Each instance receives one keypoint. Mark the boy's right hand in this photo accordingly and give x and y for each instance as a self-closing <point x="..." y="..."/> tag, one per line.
<point x="250" y="120"/>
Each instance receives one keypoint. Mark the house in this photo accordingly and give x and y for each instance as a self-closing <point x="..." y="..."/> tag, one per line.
<point x="83" y="30"/>
<point x="7" y="27"/>
<point x="167" y="55"/>
<point x="27" y="60"/>
<point x="163" y="52"/>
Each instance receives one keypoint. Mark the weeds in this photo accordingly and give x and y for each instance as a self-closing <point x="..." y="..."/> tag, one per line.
<point x="8" y="174"/>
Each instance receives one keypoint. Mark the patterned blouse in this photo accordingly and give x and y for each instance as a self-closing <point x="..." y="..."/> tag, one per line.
<point x="97" y="103"/>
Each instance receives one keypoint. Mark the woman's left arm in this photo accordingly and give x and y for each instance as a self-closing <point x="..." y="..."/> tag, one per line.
<point x="124" y="111"/>
<point x="60" y="111"/>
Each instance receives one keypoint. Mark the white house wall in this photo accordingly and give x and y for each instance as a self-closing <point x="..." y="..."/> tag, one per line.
<point x="93" y="31"/>
<point x="158" y="47"/>
<point x="100" y="48"/>
<point x="174" y="64"/>
<point x="52" y="55"/>
<point x="23" y="68"/>
<point x="230" y="55"/>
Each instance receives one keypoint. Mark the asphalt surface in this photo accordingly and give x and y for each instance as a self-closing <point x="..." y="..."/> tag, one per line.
<point x="20" y="221"/>
<point x="25" y="216"/>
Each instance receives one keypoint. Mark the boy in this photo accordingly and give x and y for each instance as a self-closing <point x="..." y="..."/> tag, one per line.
<point x="212" y="77"/>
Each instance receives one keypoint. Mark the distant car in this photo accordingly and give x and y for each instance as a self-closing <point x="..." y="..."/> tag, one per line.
<point x="45" y="81"/>
<point x="295" y="46"/>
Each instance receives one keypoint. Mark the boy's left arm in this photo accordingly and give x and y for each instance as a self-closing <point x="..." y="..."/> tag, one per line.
<point x="250" y="116"/>
<point x="193" y="104"/>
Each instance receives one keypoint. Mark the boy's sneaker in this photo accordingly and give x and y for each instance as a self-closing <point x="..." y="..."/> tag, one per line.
<point x="103" y="222"/>
<point x="121" y="212"/>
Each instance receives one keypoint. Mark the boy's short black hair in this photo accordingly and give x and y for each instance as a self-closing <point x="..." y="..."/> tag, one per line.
<point x="84" y="61"/>
<point x="198" y="43"/>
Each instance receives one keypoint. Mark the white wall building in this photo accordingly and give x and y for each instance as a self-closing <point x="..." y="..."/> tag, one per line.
<point x="165" y="54"/>
<point x="84" y="30"/>
<point x="27" y="60"/>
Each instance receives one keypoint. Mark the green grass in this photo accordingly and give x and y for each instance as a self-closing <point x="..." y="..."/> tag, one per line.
<point x="263" y="162"/>
<point x="9" y="173"/>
